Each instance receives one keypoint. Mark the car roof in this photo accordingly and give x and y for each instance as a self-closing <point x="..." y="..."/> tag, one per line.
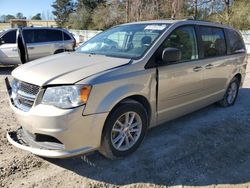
<point x="56" y="28"/>
<point x="184" y="21"/>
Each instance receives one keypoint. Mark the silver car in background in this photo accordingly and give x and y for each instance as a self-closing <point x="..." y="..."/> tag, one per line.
<point x="121" y="82"/>
<point x="21" y="45"/>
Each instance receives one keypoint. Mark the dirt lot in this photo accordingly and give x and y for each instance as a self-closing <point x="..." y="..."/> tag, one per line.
<point x="210" y="147"/>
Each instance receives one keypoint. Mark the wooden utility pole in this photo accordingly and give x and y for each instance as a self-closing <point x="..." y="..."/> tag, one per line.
<point x="173" y="9"/>
<point x="195" y="9"/>
<point x="227" y="4"/>
<point x="127" y="10"/>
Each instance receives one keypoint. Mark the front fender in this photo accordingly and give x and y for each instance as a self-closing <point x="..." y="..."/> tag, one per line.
<point x="120" y="93"/>
<point x="104" y="101"/>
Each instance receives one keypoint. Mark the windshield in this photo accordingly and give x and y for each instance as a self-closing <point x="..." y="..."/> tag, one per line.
<point x="125" y="41"/>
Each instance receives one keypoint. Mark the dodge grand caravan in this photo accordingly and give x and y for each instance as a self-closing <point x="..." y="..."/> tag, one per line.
<point x="123" y="81"/>
<point x="29" y="43"/>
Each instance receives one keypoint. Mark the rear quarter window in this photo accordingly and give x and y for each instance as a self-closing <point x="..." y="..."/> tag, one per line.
<point x="235" y="42"/>
<point x="66" y="36"/>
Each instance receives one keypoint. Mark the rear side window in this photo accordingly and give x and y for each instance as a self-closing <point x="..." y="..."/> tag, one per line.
<point x="10" y="37"/>
<point x="55" y="35"/>
<point x="235" y="42"/>
<point x="41" y="35"/>
<point x="35" y="35"/>
<point x="28" y="36"/>
<point x="212" y="42"/>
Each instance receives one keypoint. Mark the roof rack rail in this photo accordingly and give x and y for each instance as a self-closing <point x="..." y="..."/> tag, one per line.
<point x="203" y="20"/>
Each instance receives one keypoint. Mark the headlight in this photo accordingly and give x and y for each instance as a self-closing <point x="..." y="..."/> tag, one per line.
<point x="66" y="96"/>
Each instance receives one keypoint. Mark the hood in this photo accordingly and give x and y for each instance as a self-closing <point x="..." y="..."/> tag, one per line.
<point x="65" y="68"/>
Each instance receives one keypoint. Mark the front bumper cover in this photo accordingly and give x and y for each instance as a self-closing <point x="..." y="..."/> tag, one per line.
<point x="17" y="139"/>
<point x="76" y="132"/>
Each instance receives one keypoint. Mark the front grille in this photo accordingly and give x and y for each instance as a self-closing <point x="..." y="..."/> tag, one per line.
<point x="28" y="88"/>
<point x="24" y="94"/>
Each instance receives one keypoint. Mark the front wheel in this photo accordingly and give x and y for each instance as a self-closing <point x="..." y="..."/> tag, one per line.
<point x="231" y="93"/>
<point x="124" y="130"/>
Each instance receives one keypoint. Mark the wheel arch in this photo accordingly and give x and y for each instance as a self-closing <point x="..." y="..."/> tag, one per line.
<point x="137" y="98"/>
<point x="239" y="77"/>
<point x="59" y="51"/>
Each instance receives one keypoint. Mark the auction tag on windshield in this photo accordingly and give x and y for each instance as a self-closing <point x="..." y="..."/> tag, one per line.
<point x="155" y="27"/>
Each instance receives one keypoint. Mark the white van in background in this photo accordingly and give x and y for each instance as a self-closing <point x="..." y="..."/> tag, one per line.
<point x="21" y="45"/>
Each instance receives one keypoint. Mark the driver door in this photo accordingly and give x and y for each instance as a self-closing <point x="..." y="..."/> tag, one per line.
<point x="9" y="48"/>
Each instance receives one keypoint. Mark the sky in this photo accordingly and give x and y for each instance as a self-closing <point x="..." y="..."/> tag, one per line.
<point x="28" y="7"/>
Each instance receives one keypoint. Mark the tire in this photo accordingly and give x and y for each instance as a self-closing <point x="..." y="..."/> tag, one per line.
<point x="59" y="51"/>
<point x="121" y="133"/>
<point x="231" y="93"/>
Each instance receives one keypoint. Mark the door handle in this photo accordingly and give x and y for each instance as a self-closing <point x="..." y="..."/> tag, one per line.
<point x="197" y="69"/>
<point x="209" y="66"/>
<point x="31" y="48"/>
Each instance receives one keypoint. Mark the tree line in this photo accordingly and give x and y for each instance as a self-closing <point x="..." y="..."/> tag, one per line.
<point x="19" y="15"/>
<point x="102" y="14"/>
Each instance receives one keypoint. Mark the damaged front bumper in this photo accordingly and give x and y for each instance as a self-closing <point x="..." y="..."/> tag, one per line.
<point x="52" y="132"/>
<point x="21" y="140"/>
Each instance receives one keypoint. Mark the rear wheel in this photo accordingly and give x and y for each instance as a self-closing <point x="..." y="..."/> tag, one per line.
<point x="231" y="93"/>
<point x="124" y="130"/>
<point x="59" y="51"/>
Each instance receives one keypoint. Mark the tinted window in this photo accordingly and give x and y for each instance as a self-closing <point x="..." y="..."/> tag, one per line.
<point x="10" y="37"/>
<point x="183" y="39"/>
<point x="35" y="35"/>
<point x="212" y="42"/>
<point x="40" y="35"/>
<point x="235" y="43"/>
<point x="66" y="36"/>
<point x="28" y="36"/>
<point x="55" y="35"/>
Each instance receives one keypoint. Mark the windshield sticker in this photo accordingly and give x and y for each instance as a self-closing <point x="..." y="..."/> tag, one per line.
<point x="155" y="27"/>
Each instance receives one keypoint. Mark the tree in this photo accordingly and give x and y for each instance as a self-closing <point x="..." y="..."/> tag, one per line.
<point x="82" y="18"/>
<point x="37" y="17"/>
<point x="63" y="8"/>
<point x="107" y="15"/>
<point x="9" y="17"/>
<point x="19" y="15"/>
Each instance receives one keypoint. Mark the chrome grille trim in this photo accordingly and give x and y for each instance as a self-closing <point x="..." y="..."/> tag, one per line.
<point x="28" y="88"/>
<point x="24" y="95"/>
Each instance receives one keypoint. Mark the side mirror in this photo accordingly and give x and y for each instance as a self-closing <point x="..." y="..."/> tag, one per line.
<point x="170" y="55"/>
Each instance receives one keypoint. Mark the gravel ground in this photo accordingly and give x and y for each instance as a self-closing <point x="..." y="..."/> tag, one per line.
<point x="207" y="148"/>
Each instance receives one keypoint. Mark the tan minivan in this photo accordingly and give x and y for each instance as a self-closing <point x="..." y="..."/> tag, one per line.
<point x="123" y="81"/>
